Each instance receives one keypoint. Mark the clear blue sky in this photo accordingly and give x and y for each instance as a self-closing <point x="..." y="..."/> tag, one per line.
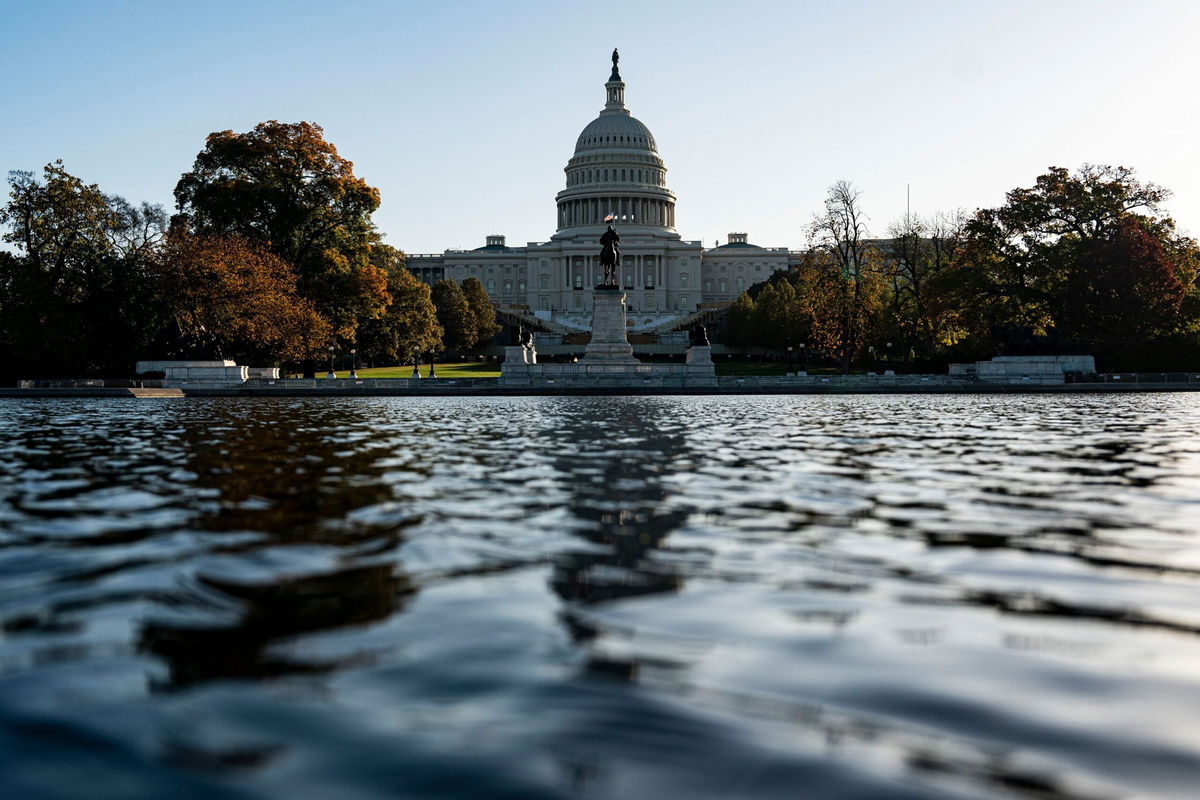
<point x="464" y="114"/>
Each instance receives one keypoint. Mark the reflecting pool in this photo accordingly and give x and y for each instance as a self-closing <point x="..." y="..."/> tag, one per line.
<point x="645" y="597"/>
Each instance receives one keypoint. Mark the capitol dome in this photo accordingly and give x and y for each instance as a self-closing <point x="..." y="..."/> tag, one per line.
<point x="616" y="170"/>
<point x="615" y="130"/>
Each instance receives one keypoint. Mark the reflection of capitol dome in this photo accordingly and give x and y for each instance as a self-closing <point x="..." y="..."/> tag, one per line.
<point x="616" y="170"/>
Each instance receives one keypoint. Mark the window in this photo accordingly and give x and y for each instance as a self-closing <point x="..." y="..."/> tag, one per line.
<point x="578" y="301"/>
<point x="708" y="286"/>
<point x="521" y="287"/>
<point x="724" y="284"/>
<point x="741" y="284"/>
<point x="544" y="302"/>
<point x="508" y="287"/>
<point x="544" y="281"/>
<point x="683" y="280"/>
<point x="544" y="264"/>
<point x="628" y="280"/>
<point x="491" y="286"/>
<point x="578" y="282"/>
<point x="649" y="280"/>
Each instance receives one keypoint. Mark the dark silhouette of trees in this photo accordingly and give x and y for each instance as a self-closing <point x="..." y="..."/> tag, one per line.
<point x="482" y="310"/>
<point x="454" y="315"/>
<point x="1084" y="258"/>
<point x="76" y="298"/>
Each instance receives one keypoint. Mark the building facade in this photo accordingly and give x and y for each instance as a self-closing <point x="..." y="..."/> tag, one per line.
<point x="616" y="171"/>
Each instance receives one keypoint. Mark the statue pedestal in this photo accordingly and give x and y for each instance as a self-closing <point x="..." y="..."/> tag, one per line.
<point x="699" y="355"/>
<point x="520" y="354"/>
<point x="610" y="341"/>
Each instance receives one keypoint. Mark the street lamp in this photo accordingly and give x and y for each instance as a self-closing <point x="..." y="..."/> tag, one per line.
<point x="804" y="357"/>
<point x="874" y="359"/>
<point x="331" y="374"/>
<point x="416" y="367"/>
<point x="432" y="371"/>
<point x="353" y="362"/>
<point x="789" y="371"/>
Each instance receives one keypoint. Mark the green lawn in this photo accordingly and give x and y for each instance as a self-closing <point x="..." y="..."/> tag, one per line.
<point x="470" y="369"/>
<point x="476" y="369"/>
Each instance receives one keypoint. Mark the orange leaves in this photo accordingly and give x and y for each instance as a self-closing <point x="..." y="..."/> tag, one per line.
<point x="243" y="294"/>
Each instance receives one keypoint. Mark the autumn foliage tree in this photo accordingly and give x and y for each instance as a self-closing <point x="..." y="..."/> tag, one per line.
<point x="284" y="188"/>
<point x="409" y="328"/>
<point x="839" y="236"/>
<point x="237" y="300"/>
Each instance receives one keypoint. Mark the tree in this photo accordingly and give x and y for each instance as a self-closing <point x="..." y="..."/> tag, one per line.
<point x="284" y="187"/>
<point x="739" y="321"/>
<point x="1086" y="259"/>
<point x="840" y="234"/>
<point x="918" y="259"/>
<point x="454" y="315"/>
<point x="482" y="310"/>
<point x="76" y="298"/>
<point x="410" y="327"/>
<point x="230" y="298"/>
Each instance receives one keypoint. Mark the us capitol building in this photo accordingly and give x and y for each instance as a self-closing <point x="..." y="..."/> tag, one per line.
<point x="616" y="169"/>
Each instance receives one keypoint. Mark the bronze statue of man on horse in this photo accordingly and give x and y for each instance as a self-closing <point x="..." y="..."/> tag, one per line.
<point x="610" y="255"/>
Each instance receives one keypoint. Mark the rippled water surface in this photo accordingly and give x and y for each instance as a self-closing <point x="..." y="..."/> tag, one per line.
<point x="711" y="597"/>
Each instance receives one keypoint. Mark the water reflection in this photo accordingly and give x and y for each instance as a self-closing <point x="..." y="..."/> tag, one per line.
<point x="614" y="476"/>
<point x="272" y="613"/>
<point x="864" y="597"/>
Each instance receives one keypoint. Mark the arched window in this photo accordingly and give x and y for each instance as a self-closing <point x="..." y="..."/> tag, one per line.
<point x="741" y="284"/>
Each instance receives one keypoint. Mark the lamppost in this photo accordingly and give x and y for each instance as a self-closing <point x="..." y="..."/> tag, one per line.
<point x="789" y="371"/>
<point x="353" y="362"/>
<point x="331" y="374"/>
<point x="416" y="367"/>
<point x="804" y="357"/>
<point x="432" y="371"/>
<point x="874" y="359"/>
<point x="887" y="354"/>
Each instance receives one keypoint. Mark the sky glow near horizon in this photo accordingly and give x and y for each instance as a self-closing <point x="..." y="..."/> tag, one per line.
<point x="465" y="114"/>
